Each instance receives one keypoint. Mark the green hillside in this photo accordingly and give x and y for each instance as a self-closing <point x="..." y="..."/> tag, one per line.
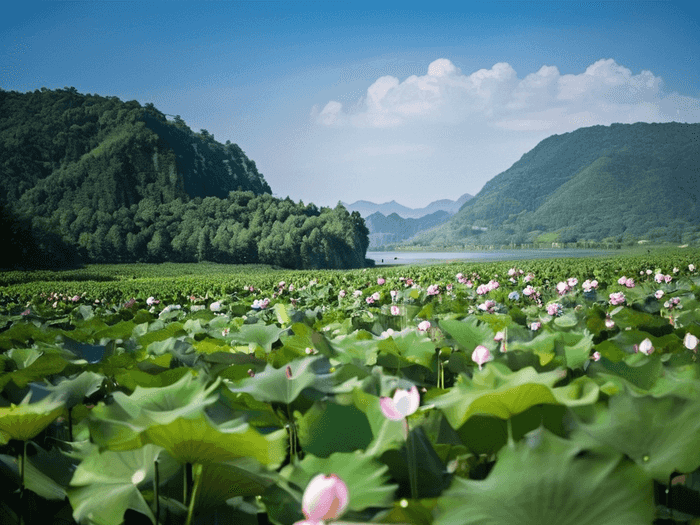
<point x="94" y="179"/>
<point x="624" y="180"/>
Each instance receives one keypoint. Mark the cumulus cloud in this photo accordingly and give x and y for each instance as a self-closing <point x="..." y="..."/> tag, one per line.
<point x="604" y="93"/>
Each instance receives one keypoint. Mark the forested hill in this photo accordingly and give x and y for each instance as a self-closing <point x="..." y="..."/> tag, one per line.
<point x="95" y="179"/>
<point x="624" y="181"/>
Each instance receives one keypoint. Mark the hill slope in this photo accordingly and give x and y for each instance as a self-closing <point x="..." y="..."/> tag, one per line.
<point x="117" y="182"/>
<point x="635" y="180"/>
<point x="394" y="229"/>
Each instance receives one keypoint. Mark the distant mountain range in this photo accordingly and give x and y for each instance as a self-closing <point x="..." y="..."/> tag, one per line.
<point x="623" y="182"/>
<point x="394" y="229"/>
<point x="366" y="208"/>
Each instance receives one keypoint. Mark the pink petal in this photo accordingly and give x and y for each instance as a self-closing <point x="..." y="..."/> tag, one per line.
<point x="389" y="409"/>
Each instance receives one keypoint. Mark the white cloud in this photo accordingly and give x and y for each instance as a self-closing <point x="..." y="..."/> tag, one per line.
<point x="604" y="93"/>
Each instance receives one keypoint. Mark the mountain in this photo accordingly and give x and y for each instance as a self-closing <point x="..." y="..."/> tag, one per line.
<point x="95" y="179"/>
<point x="394" y="229"/>
<point x="366" y="208"/>
<point x="624" y="181"/>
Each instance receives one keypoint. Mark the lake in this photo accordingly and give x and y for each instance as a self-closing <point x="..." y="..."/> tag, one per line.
<point x="386" y="258"/>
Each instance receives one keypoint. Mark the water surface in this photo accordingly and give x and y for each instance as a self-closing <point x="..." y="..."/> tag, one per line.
<point x="384" y="258"/>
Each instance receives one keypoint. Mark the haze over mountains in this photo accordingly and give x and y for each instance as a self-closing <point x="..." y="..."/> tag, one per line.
<point x="367" y="208"/>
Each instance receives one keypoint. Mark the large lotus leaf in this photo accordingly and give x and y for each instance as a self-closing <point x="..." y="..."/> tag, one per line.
<point x="365" y="477"/>
<point x="643" y="373"/>
<point x="106" y="484"/>
<point x="544" y="479"/>
<point x="238" y="477"/>
<point x="412" y="346"/>
<point x="133" y="378"/>
<point x="47" y="473"/>
<point x="78" y="388"/>
<point x="360" y="346"/>
<point x="20" y="333"/>
<point x="281" y="385"/>
<point x="577" y="347"/>
<point x="26" y="420"/>
<point x="258" y="334"/>
<point x="200" y="440"/>
<point x="581" y="391"/>
<point x="387" y="434"/>
<point x="329" y="427"/>
<point x="679" y="381"/>
<point x="470" y="333"/>
<point x="118" y="425"/>
<point x="659" y="434"/>
<point x="497" y="391"/>
<point x="46" y="364"/>
<point x="543" y="346"/>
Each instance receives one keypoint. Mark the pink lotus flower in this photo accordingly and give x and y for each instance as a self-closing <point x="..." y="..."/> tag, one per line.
<point x="690" y="341"/>
<point x="376" y="296"/>
<point x="481" y="355"/>
<point x="529" y="290"/>
<point x="572" y="281"/>
<point x="341" y="294"/>
<point x="596" y="356"/>
<point x="659" y="294"/>
<point x="424" y="326"/>
<point x="644" y="347"/>
<point x="617" y="298"/>
<point x="529" y="277"/>
<point x="535" y="326"/>
<point x="659" y="277"/>
<point x="75" y="298"/>
<point x="369" y="300"/>
<point x="381" y="281"/>
<point x="668" y="278"/>
<point x="629" y="283"/>
<point x="325" y="498"/>
<point x="609" y="323"/>
<point x="691" y="267"/>
<point x="622" y="280"/>
<point x="395" y="310"/>
<point x="433" y="289"/>
<point x="562" y="288"/>
<point x="403" y="404"/>
<point x="555" y="309"/>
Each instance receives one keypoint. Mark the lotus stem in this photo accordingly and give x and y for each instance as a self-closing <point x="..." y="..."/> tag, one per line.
<point x="195" y="490"/>
<point x="22" y="465"/>
<point x="70" y="424"/>
<point x="187" y="489"/>
<point x="412" y="468"/>
<point x="156" y="489"/>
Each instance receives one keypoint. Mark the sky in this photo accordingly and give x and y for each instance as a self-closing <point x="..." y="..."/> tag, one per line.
<point x="380" y="101"/>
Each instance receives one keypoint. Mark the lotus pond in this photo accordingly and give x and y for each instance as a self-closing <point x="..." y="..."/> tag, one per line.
<point x="552" y="391"/>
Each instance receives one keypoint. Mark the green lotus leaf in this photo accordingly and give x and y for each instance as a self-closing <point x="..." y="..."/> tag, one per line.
<point x="47" y="473"/>
<point x="78" y="388"/>
<point x="26" y="420"/>
<point x="659" y="434"/>
<point x="106" y="484"/>
<point x="329" y="427"/>
<point x="118" y="425"/>
<point x="412" y="346"/>
<point x="581" y="391"/>
<point x="199" y="440"/>
<point x="577" y="348"/>
<point x="543" y="346"/>
<point x="470" y="333"/>
<point x="497" y="391"/>
<point x="281" y="385"/>
<point x="258" y="334"/>
<point x="238" y="477"/>
<point x="544" y="479"/>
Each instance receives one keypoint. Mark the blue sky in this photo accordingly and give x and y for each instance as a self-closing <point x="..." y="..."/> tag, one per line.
<point x="379" y="100"/>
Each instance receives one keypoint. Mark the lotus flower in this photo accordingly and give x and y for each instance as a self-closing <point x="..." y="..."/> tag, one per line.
<point x="645" y="347"/>
<point x="424" y="326"/>
<point x="481" y="355"/>
<point x="325" y="498"/>
<point x="690" y="341"/>
<point x="404" y="403"/>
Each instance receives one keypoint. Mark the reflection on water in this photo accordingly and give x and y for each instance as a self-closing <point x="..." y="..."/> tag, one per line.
<point x="384" y="258"/>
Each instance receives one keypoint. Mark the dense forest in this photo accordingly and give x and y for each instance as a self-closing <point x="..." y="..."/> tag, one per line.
<point x="624" y="182"/>
<point x="87" y="178"/>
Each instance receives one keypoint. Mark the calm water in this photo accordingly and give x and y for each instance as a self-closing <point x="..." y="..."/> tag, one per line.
<point x="384" y="258"/>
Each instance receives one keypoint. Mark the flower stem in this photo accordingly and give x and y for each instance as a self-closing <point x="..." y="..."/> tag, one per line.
<point x="412" y="468"/>
<point x="198" y="469"/>
<point x="156" y="489"/>
<point x="22" y="503"/>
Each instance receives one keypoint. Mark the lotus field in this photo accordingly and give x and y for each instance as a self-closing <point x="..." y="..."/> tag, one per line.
<point x="537" y="392"/>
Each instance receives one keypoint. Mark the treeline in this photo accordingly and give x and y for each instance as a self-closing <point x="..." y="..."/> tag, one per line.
<point x="243" y="228"/>
<point x="94" y="179"/>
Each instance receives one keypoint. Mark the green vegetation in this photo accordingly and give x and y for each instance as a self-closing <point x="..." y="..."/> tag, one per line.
<point x="560" y="391"/>
<point x="624" y="183"/>
<point x="94" y="179"/>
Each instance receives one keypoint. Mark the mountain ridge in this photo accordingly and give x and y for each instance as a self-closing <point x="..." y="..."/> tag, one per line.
<point x="367" y="208"/>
